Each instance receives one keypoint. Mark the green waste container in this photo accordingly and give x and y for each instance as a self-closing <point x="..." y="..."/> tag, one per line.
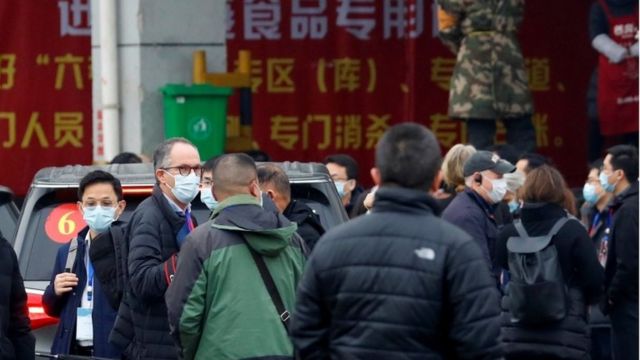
<point x="198" y="113"/>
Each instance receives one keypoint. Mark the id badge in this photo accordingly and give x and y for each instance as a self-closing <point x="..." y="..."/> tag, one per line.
<point x="84" y="325"/>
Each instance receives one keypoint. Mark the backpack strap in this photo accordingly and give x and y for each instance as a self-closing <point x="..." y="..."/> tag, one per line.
<point x="557" y="226"/>
<point x="520" y="228"/>
<point x="71" y="256"/>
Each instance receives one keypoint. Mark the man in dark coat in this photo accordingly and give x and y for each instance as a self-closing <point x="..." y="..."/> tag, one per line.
<point x="619" y="175"/>
<point x="474" y="209"/>
<point x="157" y="229"/>
<point x="16" y="340"/>
<point x="275" y="183"/>
<point x="398" y="282"/>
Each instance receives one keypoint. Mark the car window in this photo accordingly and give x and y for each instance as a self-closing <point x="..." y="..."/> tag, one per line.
<point x="8" y="220"/>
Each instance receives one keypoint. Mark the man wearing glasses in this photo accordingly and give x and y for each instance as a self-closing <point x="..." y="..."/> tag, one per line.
<point x="157" y="229"/>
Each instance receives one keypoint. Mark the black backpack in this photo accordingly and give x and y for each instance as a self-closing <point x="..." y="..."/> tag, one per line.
<point x="537" y="291"/>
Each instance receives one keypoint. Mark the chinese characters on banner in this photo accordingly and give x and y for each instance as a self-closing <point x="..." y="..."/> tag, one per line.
<point x="332" y="76"/>
<point x="45" y="87"/>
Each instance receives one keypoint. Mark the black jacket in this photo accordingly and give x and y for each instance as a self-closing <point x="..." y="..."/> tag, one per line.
<point x="475" y="216"/>
<point x="397" y="283"/>
<point x="621" y="273"/>
<point x="309" y="226"/>
<point x="142" y="324"/>
<point x="582" y="273"/>
<point x="108" y="253"/>
<point x="16" y="340"/>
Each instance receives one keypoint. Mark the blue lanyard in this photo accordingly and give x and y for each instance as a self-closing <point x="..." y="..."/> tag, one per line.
<point x="607" y="229"/>
<point x="89" y="277"/>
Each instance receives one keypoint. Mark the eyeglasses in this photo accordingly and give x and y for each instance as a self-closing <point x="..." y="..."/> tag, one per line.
<point x="185" y="170"/>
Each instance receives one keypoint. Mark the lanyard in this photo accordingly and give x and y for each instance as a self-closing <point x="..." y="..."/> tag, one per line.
<point x="596" y="224"/>
<point x="89" y="277"/>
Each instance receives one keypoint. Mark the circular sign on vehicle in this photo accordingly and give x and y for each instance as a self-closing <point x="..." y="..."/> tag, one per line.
<point x="63" y="223"/>
<point x="199" y="128"/>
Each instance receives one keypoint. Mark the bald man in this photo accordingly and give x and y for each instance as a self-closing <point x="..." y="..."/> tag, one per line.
<point x="218" y="303"/>
<point x="274" y="182"/>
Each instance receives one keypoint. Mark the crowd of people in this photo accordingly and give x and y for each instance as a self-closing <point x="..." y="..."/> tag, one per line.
<point x="466" y="257"/>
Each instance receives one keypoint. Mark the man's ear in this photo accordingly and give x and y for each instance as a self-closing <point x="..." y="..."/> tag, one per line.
<point x="271" y="194"/>
<point x="437" y="181"/>
<point x="254" y="189"/>
<point x="120" y="208"/>
<point x="160" y="175"/>
<point x="80" y="207"/>
<point x="350" y="185"/>
<point x="375" y="175"/>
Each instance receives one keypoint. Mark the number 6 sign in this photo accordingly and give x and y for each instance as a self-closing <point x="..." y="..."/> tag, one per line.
<point x="63" y="223"/>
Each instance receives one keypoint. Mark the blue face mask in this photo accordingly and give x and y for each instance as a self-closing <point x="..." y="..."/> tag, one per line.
<point x="186" y="187"/>
<point x="340" y="187"/>
<point x="513" y="206"/>
<point x="589" y="193"/>
<point x="604" y="181"/>
<point x="207" y="198"/>
<point x="99" y="218"/>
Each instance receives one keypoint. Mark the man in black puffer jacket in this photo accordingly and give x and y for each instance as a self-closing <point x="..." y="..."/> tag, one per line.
<point x="16" y="340"/>
<point x="399" y="282"/>
<point x="157" y="229"/>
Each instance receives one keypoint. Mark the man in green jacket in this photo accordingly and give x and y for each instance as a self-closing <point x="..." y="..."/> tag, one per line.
<point x="218" y="304"/>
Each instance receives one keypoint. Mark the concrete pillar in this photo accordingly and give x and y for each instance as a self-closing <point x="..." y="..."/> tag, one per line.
<point x="156" y="39"/>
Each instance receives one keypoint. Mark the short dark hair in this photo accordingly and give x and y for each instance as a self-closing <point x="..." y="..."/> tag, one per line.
<point x="98" y="177"/>
<point x="210" y="164"/>
<point x="345" y="161"/>
<point x="276" y="176"/>
<point x="596" y="164"/>
<point x="625" y="158"/>
<point x="535" y="160"/>
<point x="408" y="155"/>
<point x="232" y="171"/>
<point x="126" y="158"/>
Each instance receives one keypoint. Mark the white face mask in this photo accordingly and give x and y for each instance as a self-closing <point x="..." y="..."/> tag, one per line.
<point x="186" y="187"/>
<point x="499" y="190"/>
<point x="207" y="198"/>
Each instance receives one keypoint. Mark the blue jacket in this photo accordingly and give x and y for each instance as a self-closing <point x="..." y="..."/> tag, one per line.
<point x="475" y="216"/>
<point x="64" y="307"/>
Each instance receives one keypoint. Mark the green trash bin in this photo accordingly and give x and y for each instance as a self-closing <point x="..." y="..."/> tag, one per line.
<point x="198" y="113"/>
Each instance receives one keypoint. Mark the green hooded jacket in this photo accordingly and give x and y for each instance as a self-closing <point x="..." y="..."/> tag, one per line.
<point x="218" y="305"/>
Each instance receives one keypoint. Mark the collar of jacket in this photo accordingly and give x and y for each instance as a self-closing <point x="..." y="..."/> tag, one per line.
<point x="392" y="198"/>
<point x="267" y="232"/>
<point x="631" y="191"/>
<point x="532" y="212"/>
<point x="176" y="221"/>
<point x="489" y="209"/>
<point x="235" y="200"/>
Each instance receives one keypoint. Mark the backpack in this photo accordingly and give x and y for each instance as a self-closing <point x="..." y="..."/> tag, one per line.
<point x="537" y="291"/>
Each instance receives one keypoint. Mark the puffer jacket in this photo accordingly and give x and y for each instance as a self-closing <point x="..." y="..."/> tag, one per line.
<point x="16" y="340"/>
<point x="399" y="283"/>
<point x="142" y="327"/>
<point x="218" y="305"/>
<point x="583" y="276"/>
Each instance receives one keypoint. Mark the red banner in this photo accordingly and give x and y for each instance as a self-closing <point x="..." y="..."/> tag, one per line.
<point x="45" y="87"/>
<point x="332" y="76"/>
